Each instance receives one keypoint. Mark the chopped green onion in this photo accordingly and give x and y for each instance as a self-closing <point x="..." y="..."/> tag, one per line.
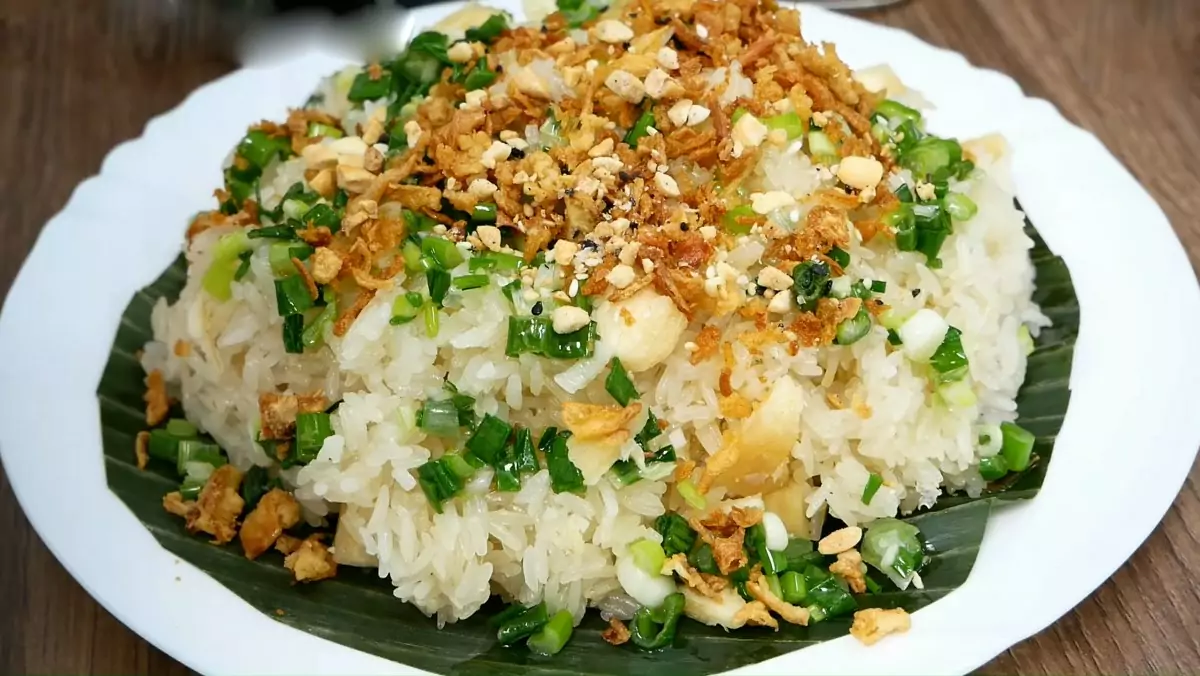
<point x="292" y="297"/>
<point x="821" y="148"/>
<point x="874" y="482"/>
<point x="553" y="635"/>
<point x="654" y="629"/>
<point x="640" y="128"/>
<point x="525" y="624"/>
<point x="548" y="436"/>
<point x="774" y="586"/>
<point x="314" y="334"/>
<point x="957" y="393"/>
<point x="852" y="330"/>
<point x="904" y="193"/>
<point x="417" y="221"/>
<point x="258" y="148"/>
<point x="293" y="334"/>
<point x="458" y="465"/>
<point x="933" y="158"/>
<point x="825" y="593"/>
<point x="413" y="262"/>
<point x="323" y="215"/>
<point x="467" y="282"/>
<point x="191" y="488"/>
<point x="894" y="548"/>
<point x="431" y="321"/>
<point x="508" y="477"/>
<point x="316" y="129"/>
<point x="1025" y="340"/>
<point x="740" y="220"/>
<point x="810" y="281"/>
<point x="442" y="252"/>
<point x="648" y="555"/>
<point x="195" y="450"/>
<point x="255" y="484"/>
<point x="489" y="439"/>
<point x="625" y="473"/>
<point x="893" y="110"/>
<point x="178" y="427"/>
<point x="439" y="417"/>
<point x="535" y="335"/>
<point x="526" y="458"/>
<point x="678" y="537"/>
<point x="789" y="122"/>
<point x="484" y="212"/>
<point x="406" y="307"/>
<point x="439" y="285"/>
<point x="243" y="267"/>
<point x="438" y="482"/>
<point x="579" y="12"/>
<point x="272" y="232"/>
<point x="816" y="614"/>
<point x="496" y="260"/>
<point x="489" y="30"/>
<point x="479" y="78"/>
<point x="511" y="289"/>
<point x="280" y="255"/>
<point x="163" y="446"/>
<point x="960" y="207"/>
<point x="839" y="256"/>
<point x="691" y="494"/>
<point x="565" y="477"/>
<point x="894" y="338"/>
<point x="618" y="383"/>
<point x="793" y="588"/>
<point x="218" y="279"/>
<point x="1017" y="447"/>
<point x="878" y="286"/>
<point x="773" y="562"/>
<point x="993" y="468"/>
<point x="950" y="360"/>
<point x="366" y="89"/>
<point x="312" y="429"/>
<point x="701" y="558"/>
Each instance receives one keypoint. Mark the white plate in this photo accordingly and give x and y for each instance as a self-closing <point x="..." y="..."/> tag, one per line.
<point x="1124" y="450"/>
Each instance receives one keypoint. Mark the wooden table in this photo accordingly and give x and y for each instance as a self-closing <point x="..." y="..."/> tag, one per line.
<point x="79" y="76"/>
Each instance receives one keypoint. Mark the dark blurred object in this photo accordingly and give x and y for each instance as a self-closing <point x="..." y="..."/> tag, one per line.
<point x="340" y="7"/>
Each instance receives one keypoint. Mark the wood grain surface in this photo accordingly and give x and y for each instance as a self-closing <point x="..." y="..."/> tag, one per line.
<point x="79" y="76"/>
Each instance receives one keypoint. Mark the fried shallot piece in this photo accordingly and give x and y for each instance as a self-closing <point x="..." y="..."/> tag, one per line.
<point x="311" y="561"/>
<point x="275" y="512"/>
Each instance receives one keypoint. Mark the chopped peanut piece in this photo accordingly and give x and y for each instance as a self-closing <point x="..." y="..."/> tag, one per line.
<point x="840" y="540"/>
<point x="219" y="505"/>
<point x="326" y="264"/>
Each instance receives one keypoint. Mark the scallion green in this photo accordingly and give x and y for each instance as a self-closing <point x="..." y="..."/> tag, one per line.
<point x="489" y="439"/>
<point x="292" y="297"/>
<point x="654" y="628"/>
<point x="640" y="128"/>
<point x="1017" y="447"/>
<point x="293" y="334"/>
<point x="522" y="625"/>
<point x="874" y="482"/>
<point x="565" y="477"/>
<point x="618" y="383"/>
<point x="553" y="635"/>
<point x="467" y="282"/>
<point x="678" y="537"/>
<point x="852" y="330"/>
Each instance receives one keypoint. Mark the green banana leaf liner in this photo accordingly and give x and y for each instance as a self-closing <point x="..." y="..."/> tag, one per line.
<point x="357" y="608"/>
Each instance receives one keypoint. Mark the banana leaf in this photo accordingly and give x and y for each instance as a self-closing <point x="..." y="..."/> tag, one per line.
<point x="357" y="609"/>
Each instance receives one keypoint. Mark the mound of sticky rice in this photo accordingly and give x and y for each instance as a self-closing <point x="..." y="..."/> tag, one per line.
<point x="799" y="425"/>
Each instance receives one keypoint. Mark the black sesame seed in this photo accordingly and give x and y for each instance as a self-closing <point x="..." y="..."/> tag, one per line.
<point x="625" y="176"/>
<point x="683" y="227"/>
<point x="570" y="192"/>
<point x="536" y="309"/>
<point x="590" y="244"/>
<point x="916" y="292"/>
